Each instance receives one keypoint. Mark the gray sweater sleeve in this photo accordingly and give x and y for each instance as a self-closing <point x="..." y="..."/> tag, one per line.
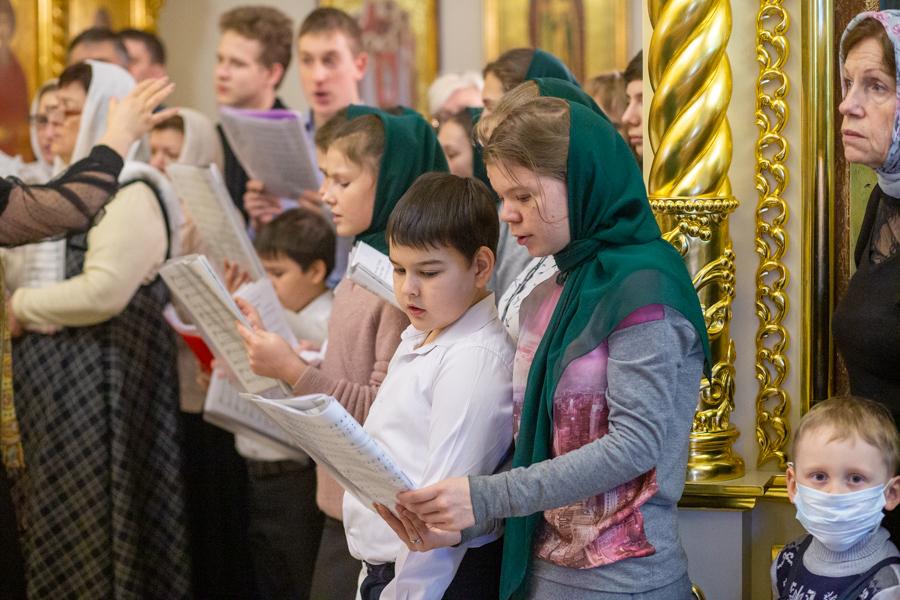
<point x="643" y="362"/>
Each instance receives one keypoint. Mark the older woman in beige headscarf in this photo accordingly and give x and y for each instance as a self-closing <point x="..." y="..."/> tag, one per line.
<point x="188" y="138"/>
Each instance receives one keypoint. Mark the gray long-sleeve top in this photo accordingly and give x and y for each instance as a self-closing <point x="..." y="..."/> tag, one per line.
<point x="654" y="372"/>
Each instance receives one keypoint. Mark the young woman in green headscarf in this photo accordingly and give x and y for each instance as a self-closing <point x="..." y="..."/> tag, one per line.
<point x="517" y="272"/>
<point x="607" y="372"/>
<point x="517" y="65"/>
<point x="370" y="162"/>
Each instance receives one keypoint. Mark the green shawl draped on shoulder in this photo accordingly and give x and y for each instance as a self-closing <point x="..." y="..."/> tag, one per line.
<point x="478" y="169"/>
<point x="616" y="263"/>
<point x="410" y="150"/>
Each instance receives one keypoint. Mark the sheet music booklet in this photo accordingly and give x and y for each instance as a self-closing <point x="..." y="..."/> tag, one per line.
<point x="322" y="428"/>
<point x="194" y="282"/>
<point x="272" y="147"/>
<point x="373" y="271"/>
<point x="203" y="191"/>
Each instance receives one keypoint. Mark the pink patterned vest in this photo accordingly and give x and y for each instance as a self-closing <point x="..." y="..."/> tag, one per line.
<point x="609" y="526"/>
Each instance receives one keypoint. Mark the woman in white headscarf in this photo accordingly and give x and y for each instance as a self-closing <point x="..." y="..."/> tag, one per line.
<point x="97" y="401"/>
<point x="41" y="169"/>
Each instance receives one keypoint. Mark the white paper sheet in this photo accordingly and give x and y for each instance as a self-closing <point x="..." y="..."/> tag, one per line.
<point x="320" y="426"/>
<point x="225" y="408"/>
<point x="272" y="147"/>
<point x="204" y="193"/>
<point x="197" y="286"/>
<point x="373" y="271"/>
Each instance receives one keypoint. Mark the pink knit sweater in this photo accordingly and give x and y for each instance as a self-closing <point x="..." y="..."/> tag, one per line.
<point x="363" y="334"/>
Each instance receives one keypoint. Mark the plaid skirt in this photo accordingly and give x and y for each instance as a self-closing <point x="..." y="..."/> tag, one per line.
<point x="98" y="412"/>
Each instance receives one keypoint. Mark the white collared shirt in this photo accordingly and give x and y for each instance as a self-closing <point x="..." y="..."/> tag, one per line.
<point x="444" y="410"/>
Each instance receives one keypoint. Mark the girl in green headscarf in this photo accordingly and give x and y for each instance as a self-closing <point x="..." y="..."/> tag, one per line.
<point x="516" y="272"/>
<point x="371" y="159"/>
<point x="517" y="65"/>
<point x="607" y="372"/>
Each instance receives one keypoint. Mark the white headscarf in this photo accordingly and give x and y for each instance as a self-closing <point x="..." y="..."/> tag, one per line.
<point x="35" y="144"/>
<point x="34" y="173"/>
<point x="112" y="81"/>
<point x="202" y="145"/>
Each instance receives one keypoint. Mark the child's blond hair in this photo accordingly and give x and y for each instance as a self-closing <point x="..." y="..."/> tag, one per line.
<point x="852" y="416"/>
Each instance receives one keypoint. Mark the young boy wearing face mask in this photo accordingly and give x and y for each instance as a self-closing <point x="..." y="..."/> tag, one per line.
<point x="844" y="473"/>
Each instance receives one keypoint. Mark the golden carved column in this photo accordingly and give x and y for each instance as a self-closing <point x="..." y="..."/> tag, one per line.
<point x="53" y="37"/>
<point x="772" y="302"/>
<point x="691" y="196"/>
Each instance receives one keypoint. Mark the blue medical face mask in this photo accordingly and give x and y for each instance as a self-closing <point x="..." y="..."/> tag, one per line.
<point x="840" y="521"/>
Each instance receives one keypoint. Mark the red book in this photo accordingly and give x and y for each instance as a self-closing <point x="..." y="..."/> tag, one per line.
<point x="191" y="337"/>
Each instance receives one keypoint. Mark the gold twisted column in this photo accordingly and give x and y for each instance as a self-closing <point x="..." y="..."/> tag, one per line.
<point x="772" y="339"/>
<point x="691" y="196"/>
<point x="53" y="38"/>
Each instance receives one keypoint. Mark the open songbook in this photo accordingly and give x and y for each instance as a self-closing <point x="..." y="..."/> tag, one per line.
<point x="272" y="147"/>
<point x="225" y="408"/>
<point x="322" y="428"/>
<point x="373" y="271"/>
<point x="196" y="285"/>
<point x="204" y="193"/>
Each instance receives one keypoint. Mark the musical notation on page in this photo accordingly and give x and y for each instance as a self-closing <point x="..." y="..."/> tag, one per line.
<point x="196" y="285"/>
<point x="272" y="147"/>
<point x="203" y="191"/>
<point x="321" y="427"/>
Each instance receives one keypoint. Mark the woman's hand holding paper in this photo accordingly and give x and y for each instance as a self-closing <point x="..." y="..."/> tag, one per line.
<point x="446" y="504"/>
<point x="269" y="354"/>
<point x="416" y="534"/>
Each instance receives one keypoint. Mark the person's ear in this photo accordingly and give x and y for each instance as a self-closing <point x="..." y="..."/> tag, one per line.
<point x="157" y="71"/>
<point x="361" y="62"/>
<point x="484" y="266"/>
<point x="791" y="480"/>
<point x="316" y="272"/>
<point x="892" y="494"/>
<point x="276" y="74"/>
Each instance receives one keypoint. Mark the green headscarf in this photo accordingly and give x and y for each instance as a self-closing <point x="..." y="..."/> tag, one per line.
<point x="557" y="88"/>
<point x="479" y="171"/>
<point x="545" y="64"/>
<point x="410" y="150"/>
<point x="616" y="263"/>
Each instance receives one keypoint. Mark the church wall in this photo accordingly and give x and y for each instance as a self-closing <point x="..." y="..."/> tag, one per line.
<point x="191" y="34"/>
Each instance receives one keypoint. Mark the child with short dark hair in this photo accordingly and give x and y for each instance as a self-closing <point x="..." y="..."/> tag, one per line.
<point x="284" y="524"/>
<point x="844" y="473"/>
<point x="445" y="406"/>
<point x="368" y="165"/>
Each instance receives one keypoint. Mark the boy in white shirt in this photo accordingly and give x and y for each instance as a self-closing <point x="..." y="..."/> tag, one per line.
<point x="445" y="406"/>
<point x="284" y="524"/>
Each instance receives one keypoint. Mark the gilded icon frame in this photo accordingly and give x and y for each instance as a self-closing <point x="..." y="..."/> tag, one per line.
<point x="422" y="18"/>
<point x="511" y="24"/>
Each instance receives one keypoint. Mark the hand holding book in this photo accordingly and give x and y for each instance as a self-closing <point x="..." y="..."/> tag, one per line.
<point x="269" y="354"/>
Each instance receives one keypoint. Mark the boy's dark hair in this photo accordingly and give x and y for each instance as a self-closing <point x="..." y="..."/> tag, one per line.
<point x="154" y="45"/>
<point x="511" y="67"/>
<point x="635" y="69"/>
<point x="328" y="20"/>
<point x="175" y="123"/>
<point x="443" y="210"/>
<point x="301" y="235"/>
<point x="80" y="73"/>
<point x="100" y="35"/>
<point x="273" y="29"/>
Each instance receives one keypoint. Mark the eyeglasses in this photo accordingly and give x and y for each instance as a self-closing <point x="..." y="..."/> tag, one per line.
<point x="62" y="113"/>
<point x="39" y="121"/>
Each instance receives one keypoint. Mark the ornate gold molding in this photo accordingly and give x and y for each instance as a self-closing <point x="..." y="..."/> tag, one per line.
<point x="145" y="13"/>
<point x="772" y="302"/>
<point x="818" y="199"/>
<point x="53" y="37"/>
<point x="691" y="196"/>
